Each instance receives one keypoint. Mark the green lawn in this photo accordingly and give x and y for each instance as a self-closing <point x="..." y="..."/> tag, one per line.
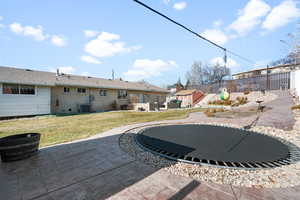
<point x="59" y="129"/>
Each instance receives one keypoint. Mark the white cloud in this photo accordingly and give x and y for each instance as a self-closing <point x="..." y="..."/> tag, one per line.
<point x="281" y="15"/>
<point x="215" y="35"/>
<point x="1" y="25"/>
<point x="146" y="68"/>
<point x="230" y="62"/>
<point x="90" y="33"/>
<point x="90" y="59"/>
<point x="16" y="28"/>
<point x="180" y="5"/>
<point x="250" y="16"/>
<point x="36" y="33"/>
<point x="65" y="69"/>
<point x="218" y="23"/>
<point x="166" y="1"/>
<point x="107" y="45"/>
<point x="85" y="74"/>
<point x="59" y="41"/>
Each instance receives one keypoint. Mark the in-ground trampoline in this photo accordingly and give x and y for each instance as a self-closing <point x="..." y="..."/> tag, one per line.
<point x="217" y="145"/>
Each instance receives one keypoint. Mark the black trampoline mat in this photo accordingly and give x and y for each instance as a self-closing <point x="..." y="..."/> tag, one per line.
<point x="214" y="143"/>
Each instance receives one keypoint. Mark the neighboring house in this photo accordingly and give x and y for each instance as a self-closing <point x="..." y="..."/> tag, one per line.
<point x="189" y="98"/>
<point x="173" y="89"/>
<point x="26" y="92"/>
<point x="263" y="71"/>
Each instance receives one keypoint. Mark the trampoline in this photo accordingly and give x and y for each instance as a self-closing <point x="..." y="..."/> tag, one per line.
<point x="217" y="145"/>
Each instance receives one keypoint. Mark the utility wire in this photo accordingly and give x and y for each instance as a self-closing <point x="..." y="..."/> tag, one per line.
<point x="193" y="32"/>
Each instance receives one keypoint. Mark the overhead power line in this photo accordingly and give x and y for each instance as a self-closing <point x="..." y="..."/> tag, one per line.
<point x="195" y="33"/>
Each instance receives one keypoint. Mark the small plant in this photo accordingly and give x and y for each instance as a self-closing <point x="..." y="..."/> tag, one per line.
<point x="209" y="112"/>
<point x="296" y="107"/>
<point x="114" y="105"/>
<point x="220" y="110"/>
<point x="246" y="92"/>
<point x="241" y="101"/>
<point x="221" y="102"/>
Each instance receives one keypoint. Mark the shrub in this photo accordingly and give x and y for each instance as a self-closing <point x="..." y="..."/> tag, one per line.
<point x="220" y="110"/>
<point x="213" y="110"/>
<point x="246" y="92"/>
<point x="220" y="102"/>
<point x="241" y="101"/>
<point x="296" y="107"/>
<point x="228" y="102"/>
<point x="209" y="112"/>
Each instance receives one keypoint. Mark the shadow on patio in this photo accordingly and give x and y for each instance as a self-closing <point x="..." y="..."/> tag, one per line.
<point x="91" y="169"/>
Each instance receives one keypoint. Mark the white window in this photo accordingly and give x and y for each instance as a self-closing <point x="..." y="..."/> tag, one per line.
<point x="81" y="90"/>
<point x="18" y="89"/>
<point x="122" y="94"/>
<point x="103" y="92"/>
<point x="11" y="89"/>
<point x="27" y="89"/>
<point x="66" y="90"/>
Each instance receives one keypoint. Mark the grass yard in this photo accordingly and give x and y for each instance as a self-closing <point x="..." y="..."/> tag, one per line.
<point x="59" y="129"/>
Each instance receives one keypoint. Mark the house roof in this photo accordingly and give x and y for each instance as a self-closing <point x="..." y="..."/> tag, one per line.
<point x="265" y="68"/>
<point x="27" y="76"/>
<point x="185" y="92"/>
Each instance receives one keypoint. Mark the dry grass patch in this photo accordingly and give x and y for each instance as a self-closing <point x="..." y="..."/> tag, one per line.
<point x="59" y="129"/>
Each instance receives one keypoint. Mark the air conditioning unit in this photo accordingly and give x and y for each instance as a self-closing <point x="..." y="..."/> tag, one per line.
<point x="85" y="108"/>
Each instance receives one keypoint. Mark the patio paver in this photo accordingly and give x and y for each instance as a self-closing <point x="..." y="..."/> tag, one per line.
<point x="96" y="168"/>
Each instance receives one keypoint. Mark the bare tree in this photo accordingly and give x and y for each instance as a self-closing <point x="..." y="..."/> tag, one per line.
<point x="216" y="73"/>
<point x="220" y="72"/>
<point x="293" y="49"/>
<point x="195" y="75"/>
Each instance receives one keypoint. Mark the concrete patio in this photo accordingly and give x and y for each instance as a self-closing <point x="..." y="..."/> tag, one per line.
<point x="96" y="168"/>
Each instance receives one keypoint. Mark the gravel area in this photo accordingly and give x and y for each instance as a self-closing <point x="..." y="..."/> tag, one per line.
<point x="252" y="98"/>
<point x="280" y="177"/>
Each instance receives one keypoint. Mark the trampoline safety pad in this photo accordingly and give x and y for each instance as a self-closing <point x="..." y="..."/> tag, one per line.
<point x="215" y="145"/>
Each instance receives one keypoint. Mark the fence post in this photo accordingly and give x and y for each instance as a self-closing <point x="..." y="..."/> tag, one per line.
<point x="267" y="85"/>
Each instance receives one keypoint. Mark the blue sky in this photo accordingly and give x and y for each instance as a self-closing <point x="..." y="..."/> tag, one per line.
<point x="93" y="37"/>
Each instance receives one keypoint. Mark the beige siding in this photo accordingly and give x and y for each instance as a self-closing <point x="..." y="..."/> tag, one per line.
<point x="147" y="97"/>
<point x="70" y="102"/>
<point x="103" y="103"/>
<point x="22" y="105"/>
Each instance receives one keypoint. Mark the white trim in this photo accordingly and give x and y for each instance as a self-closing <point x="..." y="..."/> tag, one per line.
<point x="19" y="95"/>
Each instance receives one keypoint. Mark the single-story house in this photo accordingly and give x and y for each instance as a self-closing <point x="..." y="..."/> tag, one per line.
<point x="263" y="71"/>
<point x="25" y="92"/>
<point x="189" y="98"/>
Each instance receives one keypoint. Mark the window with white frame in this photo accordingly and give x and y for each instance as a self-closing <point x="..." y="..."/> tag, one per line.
<point x="103" y="92"/>
<point x="27" y="89"/>
<point x="122" y="94"/>
<point x="66" y="90"/>
<point x="18" y="89"/>
<point x="81" y="90"/>
<point x="10" y="89"/>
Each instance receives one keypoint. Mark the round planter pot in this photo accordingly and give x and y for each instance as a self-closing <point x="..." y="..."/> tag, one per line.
<point x="18" y="147"/>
